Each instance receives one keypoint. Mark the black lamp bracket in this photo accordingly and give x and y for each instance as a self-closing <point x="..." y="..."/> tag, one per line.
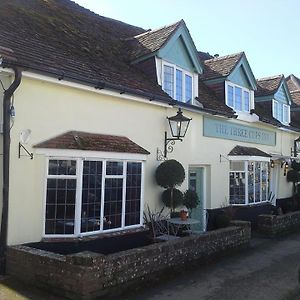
<point x="27" y="152"/>
<point x="168" y="147"/>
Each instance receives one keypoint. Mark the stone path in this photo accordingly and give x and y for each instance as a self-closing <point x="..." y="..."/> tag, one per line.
<point x="267" y="271"/>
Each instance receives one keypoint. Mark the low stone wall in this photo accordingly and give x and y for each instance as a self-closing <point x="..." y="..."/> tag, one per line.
<point x="87" y="275"/>
<point x="272" y="225"/>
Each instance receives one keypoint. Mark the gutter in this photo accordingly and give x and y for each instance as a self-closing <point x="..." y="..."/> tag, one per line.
<point x="121" y="89"/>
<point x="6" y="160"/>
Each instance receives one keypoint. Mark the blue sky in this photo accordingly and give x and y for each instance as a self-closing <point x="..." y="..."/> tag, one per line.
<point x="267" y="30"/>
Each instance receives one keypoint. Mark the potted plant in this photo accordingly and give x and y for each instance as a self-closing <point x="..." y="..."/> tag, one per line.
<point x="170" y="174"/>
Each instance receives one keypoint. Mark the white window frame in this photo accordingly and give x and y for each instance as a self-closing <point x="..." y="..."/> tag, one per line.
<point x="251" y="97"/>
<point x="78" y="198"/>
<point x="184" y="73"/>
<point x="246" y="172"/>
<point x="277" y="116"/>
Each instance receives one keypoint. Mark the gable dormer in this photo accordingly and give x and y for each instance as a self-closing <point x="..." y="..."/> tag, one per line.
<point x="233" y="81"/>
<point x="274" y="95"/>
<point x="174" y="54"/>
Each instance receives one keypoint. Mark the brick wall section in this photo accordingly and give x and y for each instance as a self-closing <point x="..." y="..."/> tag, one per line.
<point x="271" y="225"/>
<point x="88" y="275"/>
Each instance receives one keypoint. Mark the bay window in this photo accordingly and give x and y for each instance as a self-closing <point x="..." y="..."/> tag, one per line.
<point x="237" y="97"/>
<point x="177" y="83"/>
<point x="90" y="196"/>
<point x="249" y="182"/>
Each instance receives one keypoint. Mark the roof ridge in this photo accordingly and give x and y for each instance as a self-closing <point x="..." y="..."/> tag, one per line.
<point x="157" y="29"/>
<point x="225" y="56"/>
<point x="270" y="77"/>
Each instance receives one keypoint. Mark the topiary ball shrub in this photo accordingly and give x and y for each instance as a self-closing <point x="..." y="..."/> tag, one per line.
<point x="177" y="198"/>
<point x="190" y="199"/>
<point x="293" y="176"/>
<point x="170" y="173"/>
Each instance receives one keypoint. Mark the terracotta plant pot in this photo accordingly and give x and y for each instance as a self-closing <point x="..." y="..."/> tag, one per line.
<point x="183" y="215"/>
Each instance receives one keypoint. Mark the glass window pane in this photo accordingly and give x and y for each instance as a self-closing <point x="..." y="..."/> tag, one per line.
<point x="238" y="98"/>
<point x="114" y="168"/>
<point x="60" y="206"/>
<point x="91" y="196"/>
<point x="188" y="88"/>
<point x="133" y="193"/>
<point x="280" y="112"/>
<point x="237" y="166"/>
<point x="168" y="84"/>
<point x="113" y="203"/>
<point x="251" y="182"/>
<point x="246" y="101"/>
<point x="230" y="96"/>
<point x="285" y="114"/>
<point x="257" y="181"/>
<point x="62" y="167"/>
<point x="178" y="85"/>
<point x="264" y="181"/>
<point x="237" y="188"/>
<point x="275" y="113"/>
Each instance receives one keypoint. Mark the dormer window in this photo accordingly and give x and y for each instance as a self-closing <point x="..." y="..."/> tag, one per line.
<point x="238" y="98"/>
<point x="177" y="83"/>
<point x="281" y="112"/>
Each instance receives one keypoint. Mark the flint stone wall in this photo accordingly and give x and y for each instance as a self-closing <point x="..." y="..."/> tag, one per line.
<point x="272" y="225"/>
<point x="87" y="275"/>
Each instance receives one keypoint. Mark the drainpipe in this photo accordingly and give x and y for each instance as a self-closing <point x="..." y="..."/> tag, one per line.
<point x="6" y="157"/>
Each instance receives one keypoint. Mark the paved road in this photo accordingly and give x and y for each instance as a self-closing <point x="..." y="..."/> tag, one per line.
<point x="267" y="271"/>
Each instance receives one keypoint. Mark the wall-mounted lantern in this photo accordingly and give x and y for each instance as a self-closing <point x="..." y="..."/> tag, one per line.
<point x="179" y="125"/>
<point x="296" y="147"/>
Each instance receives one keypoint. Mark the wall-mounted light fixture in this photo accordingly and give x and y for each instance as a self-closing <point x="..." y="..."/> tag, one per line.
<point x="286" y="168"/>
<point x="179" y="125"/>
<point x="272" y="164"/>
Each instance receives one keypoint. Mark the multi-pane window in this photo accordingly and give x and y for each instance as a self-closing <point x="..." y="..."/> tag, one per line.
<point x="169" y="80"/>
<point x="85" y="196"/>
<point x="281" y="112"/>
<point x="249" y="182"/>
<point x="177" y="83"/>
<point x="238" y="98"/>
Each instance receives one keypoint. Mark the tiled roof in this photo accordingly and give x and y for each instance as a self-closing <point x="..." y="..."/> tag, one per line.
<point x="92" y="142"/>
<point x="268" y="86"/>
<point x="204" y="55"/>
<point x="209" y="100"/>
<point x="296" y="98"/>
<point x="60" y="37"/>
<point x="220" y="66"/>
<point x="151" y="41"/>
<point x="247" y="151"/>
<point x="293" y="82"/>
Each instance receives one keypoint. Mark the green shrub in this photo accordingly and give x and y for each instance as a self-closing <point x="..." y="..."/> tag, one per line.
<point x="293" y="176"/>
<point x="170" y="173"/>
<point x="177" y="198"/>
<point x="190" y="199"/>
<point x="295" y="165"/>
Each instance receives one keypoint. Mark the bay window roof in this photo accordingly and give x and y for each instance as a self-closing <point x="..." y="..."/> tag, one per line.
<point x="248" y="151"/>
<point x="76" y="140"/>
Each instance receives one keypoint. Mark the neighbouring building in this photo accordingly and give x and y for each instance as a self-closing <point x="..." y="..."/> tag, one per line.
<point x="88" y="109"/>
